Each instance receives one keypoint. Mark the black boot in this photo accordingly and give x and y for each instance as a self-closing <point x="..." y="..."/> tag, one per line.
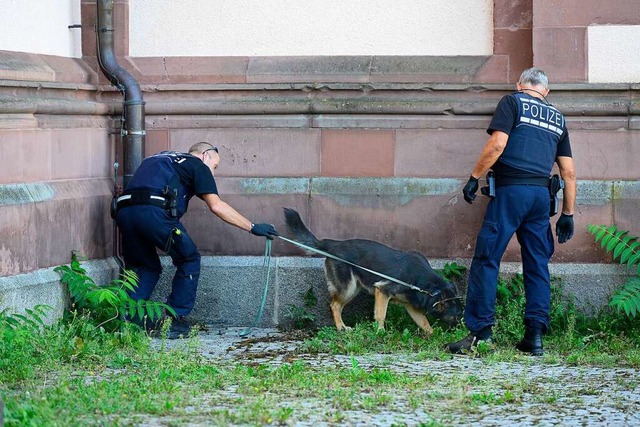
<point x="470" y="343"/>
<point x="532" y="341"/>
<point x="180" y="328"/>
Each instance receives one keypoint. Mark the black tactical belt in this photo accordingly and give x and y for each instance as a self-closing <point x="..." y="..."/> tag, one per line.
<point x="509" y="180"/>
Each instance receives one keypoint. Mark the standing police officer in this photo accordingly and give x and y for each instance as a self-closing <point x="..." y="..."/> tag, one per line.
<point x="148" y="215"/>
<point x="527" y="136"/>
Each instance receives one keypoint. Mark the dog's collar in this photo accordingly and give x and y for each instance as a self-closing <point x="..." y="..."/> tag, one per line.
<point x="444" y="300"/>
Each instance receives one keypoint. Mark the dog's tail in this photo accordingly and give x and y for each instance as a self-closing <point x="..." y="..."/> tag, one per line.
<point x="300" y="231"/>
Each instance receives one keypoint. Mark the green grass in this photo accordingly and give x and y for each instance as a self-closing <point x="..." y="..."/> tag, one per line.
<point x="118" y="379"/>
<point x="73" y="373"/>
<point x="605" y="341"/>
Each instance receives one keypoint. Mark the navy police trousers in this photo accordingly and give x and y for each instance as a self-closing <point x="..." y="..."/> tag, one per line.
<point x="145" y="228"/>
<point x="523" y="210"/>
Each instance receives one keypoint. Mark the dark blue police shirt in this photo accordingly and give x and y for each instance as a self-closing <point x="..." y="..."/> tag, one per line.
<point x="537" y="136"/>
<point x="183" y="171"/>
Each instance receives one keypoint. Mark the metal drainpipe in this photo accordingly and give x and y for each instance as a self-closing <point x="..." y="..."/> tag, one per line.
<point x="133" y="131"/>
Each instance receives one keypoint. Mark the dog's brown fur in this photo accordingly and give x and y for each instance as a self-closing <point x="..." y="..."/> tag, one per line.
<point x="437" y="296"/>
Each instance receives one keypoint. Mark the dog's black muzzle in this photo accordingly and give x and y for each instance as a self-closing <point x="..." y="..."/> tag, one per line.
<point x="447" y="308"/>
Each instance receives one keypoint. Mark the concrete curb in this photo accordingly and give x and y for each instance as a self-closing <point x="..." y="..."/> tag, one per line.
<point x="231" y="288"/>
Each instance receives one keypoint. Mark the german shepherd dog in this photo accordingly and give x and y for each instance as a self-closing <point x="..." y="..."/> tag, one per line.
<point x="430" y="295"/>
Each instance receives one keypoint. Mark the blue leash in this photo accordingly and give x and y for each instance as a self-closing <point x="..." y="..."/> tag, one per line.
<point x="266" y="262"/>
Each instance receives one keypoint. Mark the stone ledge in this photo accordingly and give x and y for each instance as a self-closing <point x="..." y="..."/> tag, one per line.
<point x="231" y="288"/>
<point x="25" y="291"/>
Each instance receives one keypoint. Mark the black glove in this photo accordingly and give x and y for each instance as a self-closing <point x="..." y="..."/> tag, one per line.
<point x="564" y="228"/>
<point x="266" y="230"/>
<point x="469" y="190"/>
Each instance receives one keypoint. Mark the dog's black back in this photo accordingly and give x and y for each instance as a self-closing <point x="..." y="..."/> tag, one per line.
<point x="409" y="267"/>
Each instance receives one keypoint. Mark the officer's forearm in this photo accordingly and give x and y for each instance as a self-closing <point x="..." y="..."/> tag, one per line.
<point x="569" y="196"/>
<point x="483" y="164"/>
<point x="568" y="174"/>
<point x="490" y="153"/>
<point x="228" y="214"/>
<point x="225" y="212"/>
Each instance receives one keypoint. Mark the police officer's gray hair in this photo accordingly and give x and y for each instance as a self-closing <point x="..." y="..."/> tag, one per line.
<point x="534" y="76"/>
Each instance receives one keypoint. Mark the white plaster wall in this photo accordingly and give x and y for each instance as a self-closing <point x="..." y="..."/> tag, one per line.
<point x="613" y="53"/>
<point x="310" y="27"/>
<point x="40" y="26"/>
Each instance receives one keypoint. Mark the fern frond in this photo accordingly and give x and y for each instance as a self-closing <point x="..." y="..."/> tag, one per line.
<point x="34" y="318"/>
<point x="169" y="310"/>
<point x="623" y="244"/>
<point x="624" y="248"/>
<point x="106" y="304"/>
<point x="597" y="230"/>
<point x="627" y="298"/>
<point x="27" y="321"/>
<point x="633" y="260"/>
<point x="140" y="311"/>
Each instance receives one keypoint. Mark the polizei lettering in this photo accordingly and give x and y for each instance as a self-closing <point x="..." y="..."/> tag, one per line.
<point x="540" y="115"/>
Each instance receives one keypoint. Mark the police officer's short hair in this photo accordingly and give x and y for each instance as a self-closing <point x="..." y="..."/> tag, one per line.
<point x="534" y="76"/>
<point x="201" y="147"/>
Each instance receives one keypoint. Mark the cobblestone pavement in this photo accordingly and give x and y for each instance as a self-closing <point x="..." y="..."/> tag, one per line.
<point x="547" y="395"/>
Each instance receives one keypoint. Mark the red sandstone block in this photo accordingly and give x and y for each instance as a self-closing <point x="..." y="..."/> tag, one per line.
<point x="607" y="123"/>
<point x="121" y="27"/>
<point x="517" y="44"/>
<point x="515" y="14"/>
<point x="215" y="237"/>
<point x="156" y="141"/>
<point x="357" y="152"/>
<point x="70" y="154"/>
<point x="430" y="225"/>
<point x="62" y="226"/>
<point x="561" y="52"/>
<point x="580" y="13"/>
<point x="404" y="121"/>
<point x="102" y="152"/>
<point x="437" y="153"/>
<point x="420" y="69"/>
<point x="163" y="122"/>
<point x="36" y="155"/>
<point x="24" y="66"/>
<point x="190" y="70"/>
<point x="605" y="155"/>
<point x="30" y="151"/>
<point x="496" y="69"/>
<point x="626" y="215"/>
<point x="303" y="69"/>
<point x="257" y="152"/>
<point x="582" y="247"/>
<point x="88" y="18"/>
<point x="18" y="248"/>
<point x="12" y="148"/>
<point x="70" y="70"/>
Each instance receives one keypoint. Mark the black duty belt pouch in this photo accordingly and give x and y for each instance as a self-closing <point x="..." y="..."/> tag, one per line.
<point x="171" y="195"/>
<point x="555" y="184"/>
<point x="114" y="207"/>
<point x="490" y="189"/>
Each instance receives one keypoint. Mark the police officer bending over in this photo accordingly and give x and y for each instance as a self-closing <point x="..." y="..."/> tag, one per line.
<point x="527" y="136"/>
<point x="148" y="215"/>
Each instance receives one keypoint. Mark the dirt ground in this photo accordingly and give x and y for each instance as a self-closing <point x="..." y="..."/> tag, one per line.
<point x="556" y="394"/>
